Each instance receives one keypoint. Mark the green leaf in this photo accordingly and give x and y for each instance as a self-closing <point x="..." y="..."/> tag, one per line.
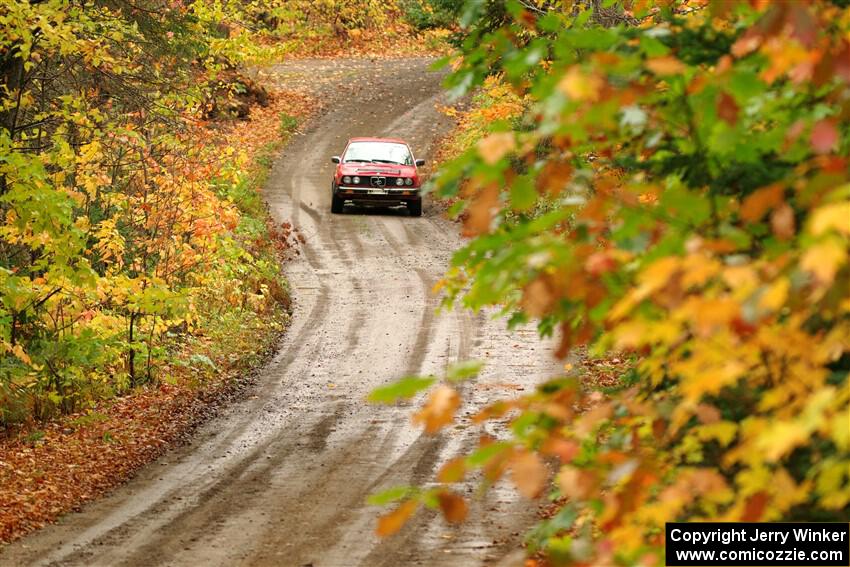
<point x="523" y="193"/>
<point x="390" y="495"/>
<point x="485" y="454"/>
<point x="464" y="370"/>
<point x="405" y="388"/>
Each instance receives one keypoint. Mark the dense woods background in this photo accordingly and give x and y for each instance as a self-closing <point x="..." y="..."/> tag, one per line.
<point x="129" y="224"/>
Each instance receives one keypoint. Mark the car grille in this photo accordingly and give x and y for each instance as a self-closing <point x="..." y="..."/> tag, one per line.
<point x="377" y="181"/>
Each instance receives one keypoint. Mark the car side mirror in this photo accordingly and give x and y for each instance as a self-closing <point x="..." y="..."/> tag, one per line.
<point x="335" y="159"/>
<point x="420" y="162"/>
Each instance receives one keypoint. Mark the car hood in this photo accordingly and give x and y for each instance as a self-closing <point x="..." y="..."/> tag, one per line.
<point x="377" y="169"/>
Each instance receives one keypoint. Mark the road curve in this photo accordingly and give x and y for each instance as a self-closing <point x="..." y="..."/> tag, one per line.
<point x="281" y="477"/>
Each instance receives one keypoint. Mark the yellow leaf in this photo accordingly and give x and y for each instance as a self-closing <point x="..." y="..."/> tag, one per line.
<point x="579" y="85"/>
<point x="452" y="471"/>
<point x="780" y="438"/>
<point x="657" y="274"/>
<point x="19" y="352"/>
<point x="721" y="431"/>
<point x="835" y="216"/>
<point x="708" y="315"/>
<point x="697" y="269"/>
<point x="824" y="259"/>
<point x="653" y="277"/>
<point x="775" y="295"/>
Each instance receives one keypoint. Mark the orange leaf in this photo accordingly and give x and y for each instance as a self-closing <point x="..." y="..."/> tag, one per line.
<point x="760" y="201"/>
<point x="538" y="297"/>
<point x="452" y="471"/>
<point x="576" y="484"/>
<point x="528" y="473"/>
<point x="667" y="65"/>
<point x="555" y="176"/>
<point x="565" y="449"/>
<point x="389" y="524"/>
<point x="481" y="211"/>
<point x="439" y="410"/>
<point x="453" y="506"/>
<point x="496" y="146"/>
<point x="727" y="109"/>
<point x="754" y="508"/>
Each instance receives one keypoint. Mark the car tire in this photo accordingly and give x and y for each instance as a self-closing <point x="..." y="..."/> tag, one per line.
<point x="415" y="208"/>
<point x="336" y="204"/>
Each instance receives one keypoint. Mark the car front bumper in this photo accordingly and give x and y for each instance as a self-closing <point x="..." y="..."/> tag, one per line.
<point x="382" y="196"/>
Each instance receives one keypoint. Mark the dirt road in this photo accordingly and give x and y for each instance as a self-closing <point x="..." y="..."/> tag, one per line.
<point x="282" y="477"/>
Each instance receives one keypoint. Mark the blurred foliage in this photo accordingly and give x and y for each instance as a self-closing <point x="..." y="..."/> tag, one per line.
<point x="696" y="157"/>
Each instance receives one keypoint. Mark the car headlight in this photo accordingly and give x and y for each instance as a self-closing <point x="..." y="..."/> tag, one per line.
<point x="346" y="179"/>
<point x="399" y="181"/>
<point x="408" y="181"/>
<point x="356" y="179"/>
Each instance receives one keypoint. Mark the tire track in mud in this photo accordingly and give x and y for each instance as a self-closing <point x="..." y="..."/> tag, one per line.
<point x="281" y="478"/>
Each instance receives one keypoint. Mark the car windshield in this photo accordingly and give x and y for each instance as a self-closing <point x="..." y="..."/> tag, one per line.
<point x="378" y="152"/>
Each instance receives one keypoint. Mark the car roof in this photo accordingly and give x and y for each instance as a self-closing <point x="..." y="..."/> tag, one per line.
<point x="367" y="139"/>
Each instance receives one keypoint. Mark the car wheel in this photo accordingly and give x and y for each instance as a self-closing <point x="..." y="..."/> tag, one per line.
<point x="336" y="204"/>
<point x="415" y="208"/>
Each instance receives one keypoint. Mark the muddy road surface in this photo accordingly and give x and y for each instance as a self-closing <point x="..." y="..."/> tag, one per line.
<point x="281" y="478"/>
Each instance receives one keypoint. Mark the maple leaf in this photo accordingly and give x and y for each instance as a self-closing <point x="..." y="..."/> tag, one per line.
<point x="439" y="409"/>
<point x="453" y="506"/>
<point x="760" y="201"/>
<point x="727" y="109"/>
<point x="754" y="507"/>
<point x="581" y="86"/>
<point x="452" y="471"/>
<point x="835" y="216"/>
<point x="482" y="211"/>
<point x="666" y="65"/>
<point x="599" y="263"/>
<point x="824" y="136"/>
<point x="782" y="222"/>
<point x="528" y="473"/>
<point x="576" y="484"/>
<point x="565" y="449"/>
<point x="496" y="146"/>
<point x="392" y="522"/>
<point x="823" y="260"/>
<point x="538" y="297"/>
